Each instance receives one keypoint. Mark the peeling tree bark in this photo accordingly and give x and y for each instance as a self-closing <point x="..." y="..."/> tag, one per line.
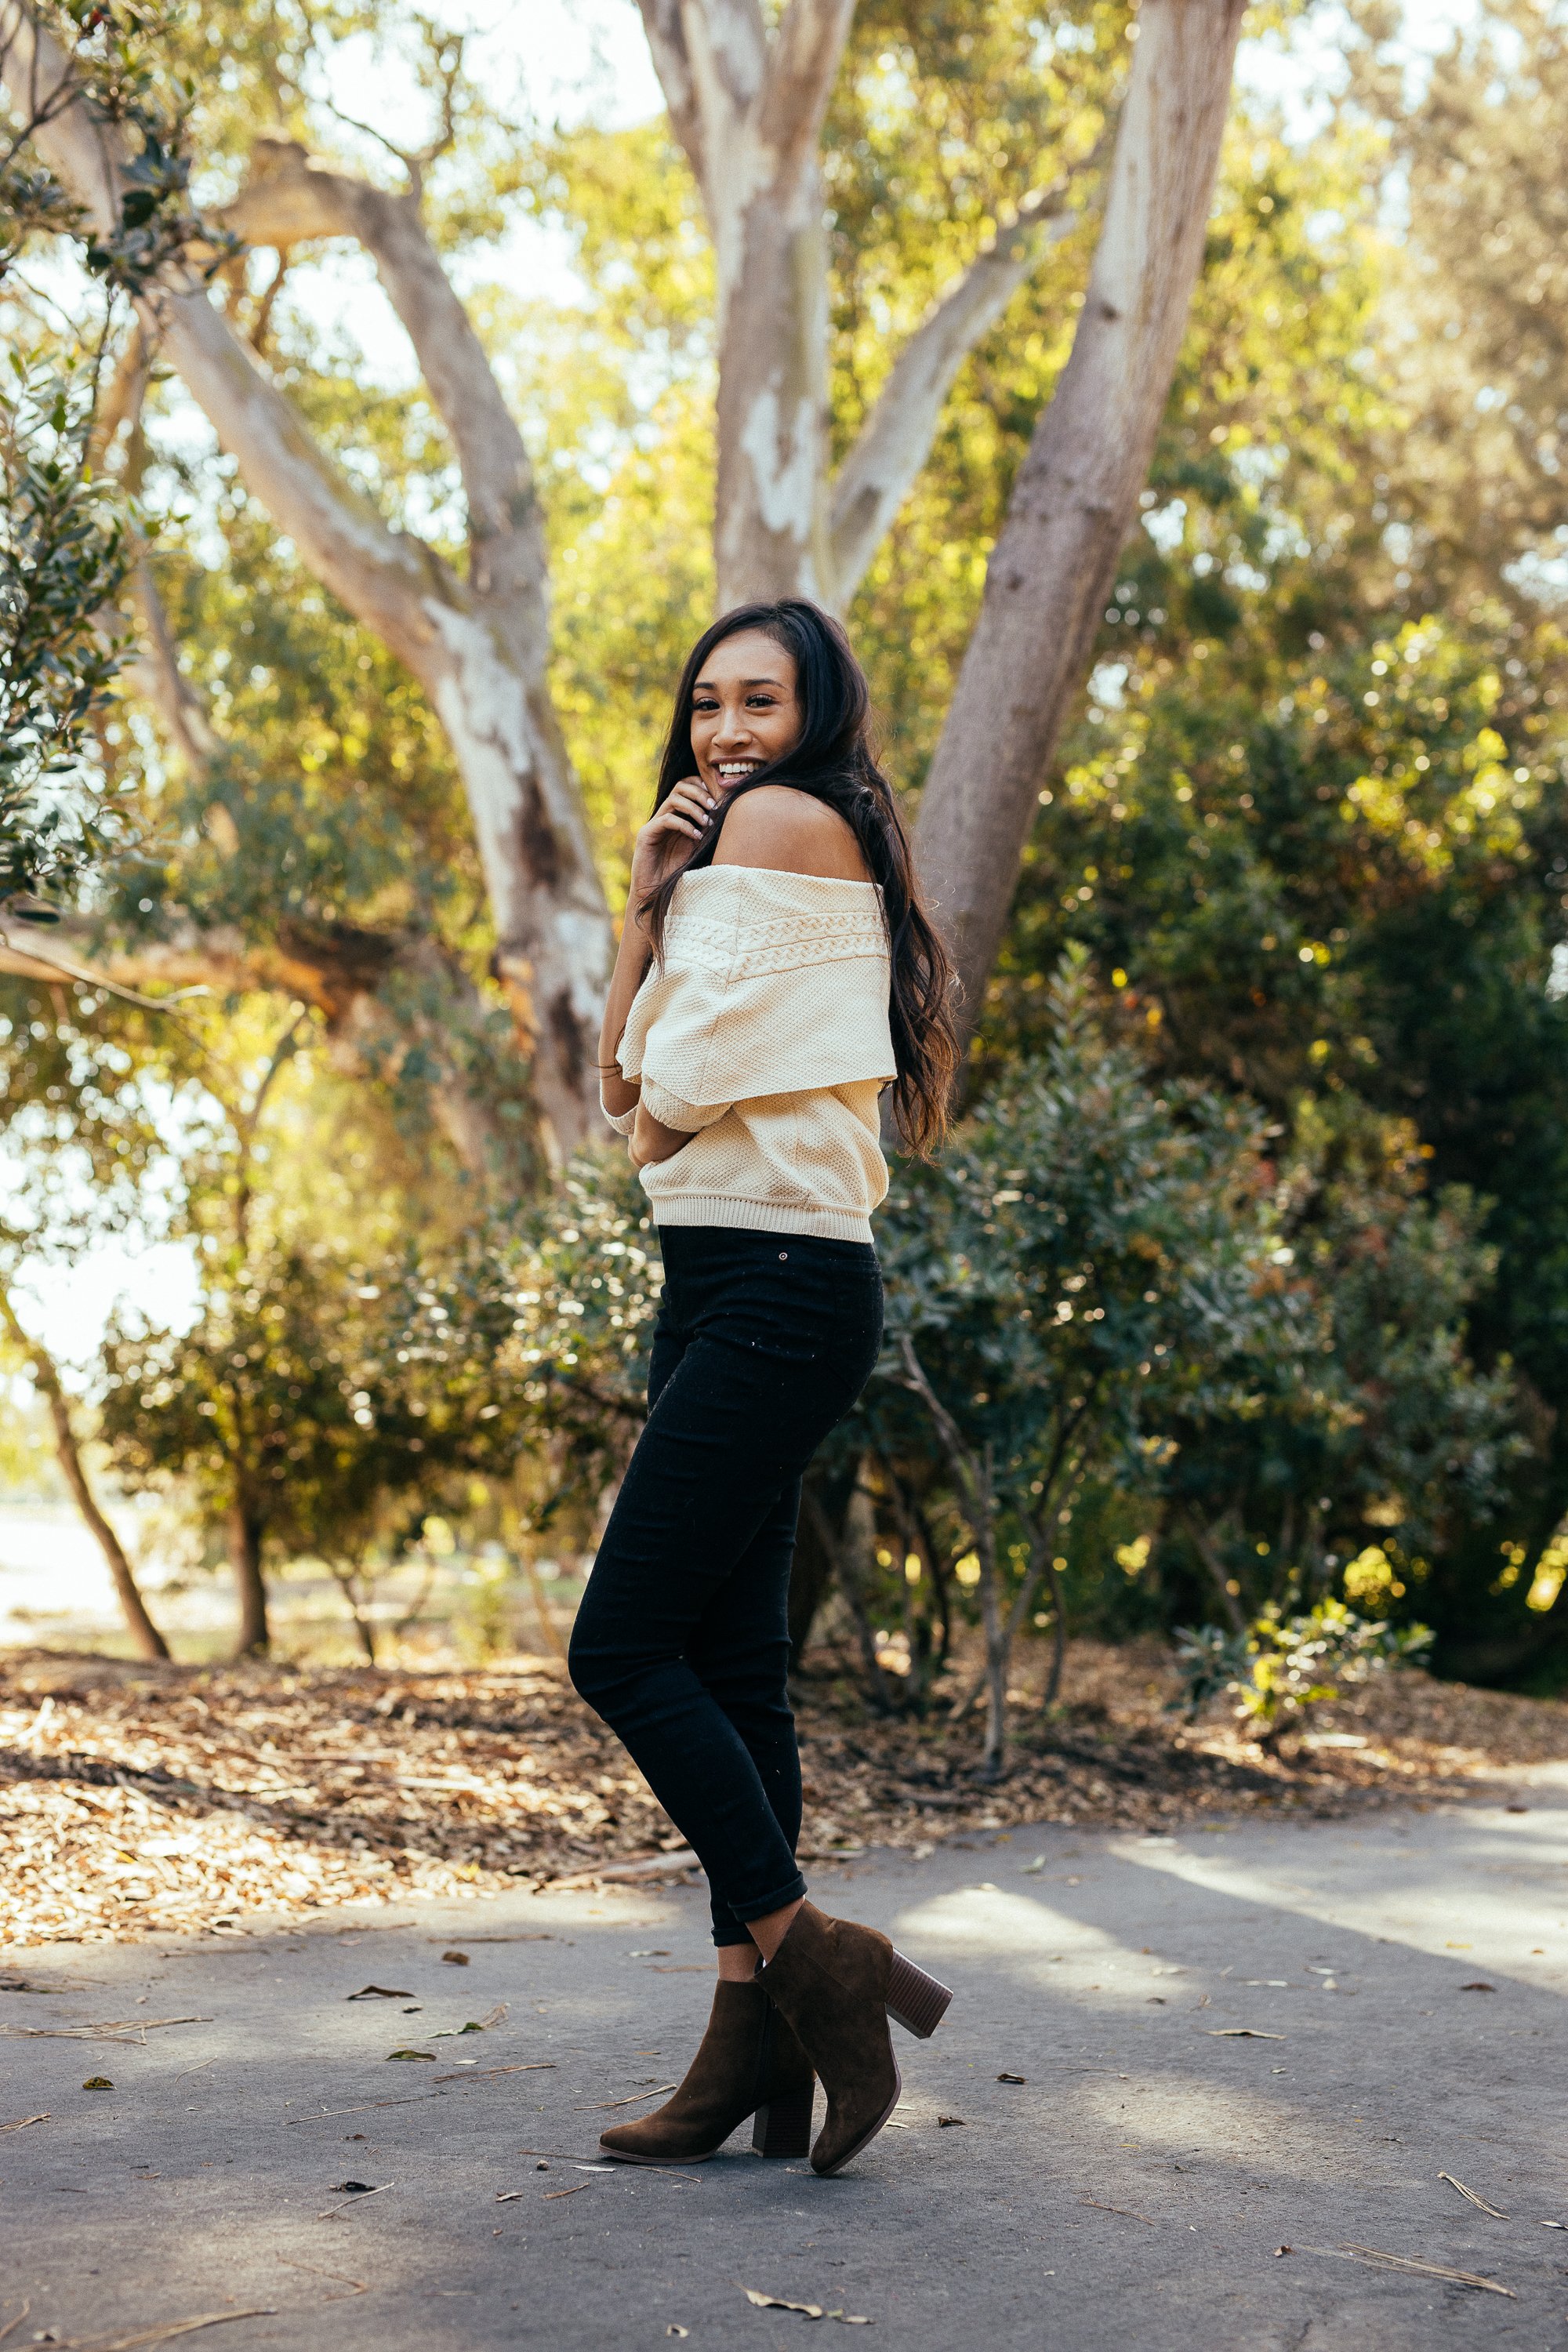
<point x="478" y="645"/>
<point x="1076" y="494"/>
<point x="748" y="109"/>
<point x="383" y="994"/>
<point x="491" y="653"/>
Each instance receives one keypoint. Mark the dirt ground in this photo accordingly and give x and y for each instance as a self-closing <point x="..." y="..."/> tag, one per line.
<point x="138" y="1801"/>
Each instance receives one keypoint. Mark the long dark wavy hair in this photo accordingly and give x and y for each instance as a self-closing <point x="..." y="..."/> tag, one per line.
<point x="835" y="762"/>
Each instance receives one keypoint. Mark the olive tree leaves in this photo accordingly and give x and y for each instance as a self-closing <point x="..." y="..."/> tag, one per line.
<point x="67" y="538"/>
<point x="66" y="547"/>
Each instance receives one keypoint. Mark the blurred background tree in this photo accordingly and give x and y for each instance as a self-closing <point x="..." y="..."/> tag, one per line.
<point x="1303" y="836"/>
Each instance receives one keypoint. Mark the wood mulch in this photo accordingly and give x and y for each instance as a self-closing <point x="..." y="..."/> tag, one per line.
<point x="139" y="1800"/>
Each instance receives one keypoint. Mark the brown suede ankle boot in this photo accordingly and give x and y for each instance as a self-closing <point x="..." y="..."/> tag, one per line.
<point x="838" y="1984"/>
<point x="750" y="2063"/>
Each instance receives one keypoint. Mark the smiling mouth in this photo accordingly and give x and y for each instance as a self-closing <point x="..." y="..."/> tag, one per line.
<point x="733" y="770"/>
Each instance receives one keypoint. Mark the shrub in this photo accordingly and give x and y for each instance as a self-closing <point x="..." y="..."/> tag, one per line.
<point x="1283" y="1667"/>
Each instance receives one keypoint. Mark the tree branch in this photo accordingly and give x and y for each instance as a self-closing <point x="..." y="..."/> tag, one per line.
<point x="802" y="62"/>
<point x="119" y="402"/>
<point x="246" y="1122"/>
<point x="24" y="960"/>
<point x="973" y="1471"/>
<point x="1076" y="495"/>
<point x="380" y="575"/>
<point x="1208" y="1549"/>
<point x="288" y="200"/>
<point x="672" y="63"/>
<point x="156" y="674"/>
<point x="963" y="1460"/>
<point x="341" y="970"/>
<point x="383" y="576"/>
<point x="711" y="60"/>
<point x="848" y="1580"/>
<point x="149" y="1641"/>
<point x="480" y="648"/>
<point x="895" y="440"/>
<point x="1043" y="1567"/>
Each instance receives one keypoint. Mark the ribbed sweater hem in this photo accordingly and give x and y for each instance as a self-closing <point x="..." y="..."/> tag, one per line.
<point x="761" y="1217"/>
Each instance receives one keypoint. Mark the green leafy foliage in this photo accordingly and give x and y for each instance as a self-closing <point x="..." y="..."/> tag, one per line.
<point x="1282" y="1666"/>
<point x="261" y="1405"/>
<point x="119" y="55"/>
<point x="1086" y="1266"/>
<point x="1386" y="1421"/>
<point x="333" y="1404"/>
<point x="1090" y="1255"/>
<point x="65" y="551"/>
<point x="1286" y="1141"/>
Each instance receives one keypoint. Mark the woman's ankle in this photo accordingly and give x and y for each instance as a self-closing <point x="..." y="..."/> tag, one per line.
<point x="738" y="1963"/>
<point x="769" y="1933"/>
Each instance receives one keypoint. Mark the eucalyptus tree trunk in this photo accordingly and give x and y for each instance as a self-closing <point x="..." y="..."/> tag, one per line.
<point x="1075" y="496"/>
<point x="385" y="996"/>
<point x="478" y="643"/>
<point x="747" y="108"/>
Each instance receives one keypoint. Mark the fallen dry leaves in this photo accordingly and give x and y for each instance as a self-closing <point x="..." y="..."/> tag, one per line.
<point x="1470" y="2198"/>
<point x="807" y="2310"/>
<point x="137" y="1801"/>
<point x="165" y="2333"/>
<point x="1374" y="2257"/>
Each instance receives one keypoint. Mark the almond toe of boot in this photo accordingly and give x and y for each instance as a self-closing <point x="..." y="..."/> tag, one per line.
<point x="854" y="2119"/>
<point x="748" y="2064"/>
<point x="650" y="2142"/>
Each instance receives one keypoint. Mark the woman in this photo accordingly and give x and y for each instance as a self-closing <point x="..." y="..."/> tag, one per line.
<point x="775" y="972"/>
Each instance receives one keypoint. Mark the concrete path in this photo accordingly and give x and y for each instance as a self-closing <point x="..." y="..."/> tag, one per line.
<point x="1232" y="2042"/>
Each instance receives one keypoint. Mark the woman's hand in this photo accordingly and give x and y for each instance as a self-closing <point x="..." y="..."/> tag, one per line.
<point x="668" y="834"/>
<point x="650" y="1140"/>
<point x="674" y="825"/>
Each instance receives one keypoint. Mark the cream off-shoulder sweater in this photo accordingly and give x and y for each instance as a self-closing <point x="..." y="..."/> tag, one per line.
<point x="765" y="1037"/>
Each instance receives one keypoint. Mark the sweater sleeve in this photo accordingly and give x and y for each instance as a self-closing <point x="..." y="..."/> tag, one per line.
<point x="623" y="1121"/>
<point x="671" y="1110"/>
<point x="772" y="984"/>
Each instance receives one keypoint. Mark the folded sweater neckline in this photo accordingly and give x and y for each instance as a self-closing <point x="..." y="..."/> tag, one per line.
<point x="776" y="874"/>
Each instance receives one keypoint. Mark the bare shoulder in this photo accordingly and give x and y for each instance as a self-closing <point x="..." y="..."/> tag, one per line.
<point x="792" y="832"/>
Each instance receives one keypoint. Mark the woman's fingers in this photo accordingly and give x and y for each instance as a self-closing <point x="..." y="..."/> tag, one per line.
<point x="683" y="817"/>
<point x="668" y="820"/>
<point x="693" y="789"/>
<point x="687" y="809"/>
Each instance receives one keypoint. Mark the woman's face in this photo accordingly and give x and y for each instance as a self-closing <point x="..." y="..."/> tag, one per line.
<point x="744" y="709"/>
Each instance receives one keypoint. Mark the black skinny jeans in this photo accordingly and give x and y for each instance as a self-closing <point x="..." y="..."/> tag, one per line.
<point x="763" y="1341"/>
